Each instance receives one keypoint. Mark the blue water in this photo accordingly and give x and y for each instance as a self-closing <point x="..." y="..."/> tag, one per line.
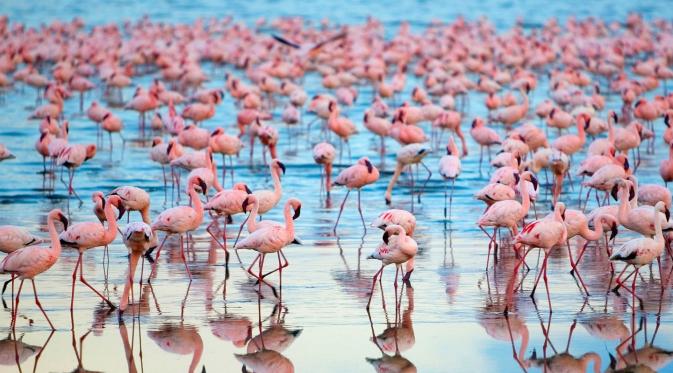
<point x="455" y="308"/>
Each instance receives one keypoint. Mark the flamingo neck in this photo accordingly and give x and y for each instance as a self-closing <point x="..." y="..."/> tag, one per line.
<point x="289" y="223"/>
<point x="525" y="198"/>
<point x="198" y="351"/>
<point x="277" y="187"/>
<point x="55" y="241"/>
<point x="252" y="219"/>
<point x="624" y="206"/>
<point x="658" y="234"/>
<point x="592" y="235"/>
<point x="611" y="130"/>
<point x="328" y="176"/>
<point x="133" y="263"/>
<point x="111" y="231"/>
<point x="398" y="170"/>
<point x="670" y="153"/>
<point x="145" y="214"/>
<point x="525" y="337"/>
<point x="196" y="203"/>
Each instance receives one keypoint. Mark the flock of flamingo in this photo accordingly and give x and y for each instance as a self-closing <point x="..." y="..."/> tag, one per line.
<point x="589" y="66"/>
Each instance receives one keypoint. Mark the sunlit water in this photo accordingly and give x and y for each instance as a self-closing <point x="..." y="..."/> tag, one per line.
<point x="451" y="320"/>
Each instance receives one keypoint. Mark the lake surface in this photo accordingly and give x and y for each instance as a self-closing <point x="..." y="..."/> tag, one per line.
<point x="449" y="319"/>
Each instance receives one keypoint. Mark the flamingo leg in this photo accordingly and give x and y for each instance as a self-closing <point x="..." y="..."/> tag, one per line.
<point x="74" y="277"/>
<point x="371" y="294"/>
<point x="15" y="310"/>
<point x="83" y="280"/>
<point x="156" y="258"/>
<point x="539" y="276"/>
<point x="360" y="211"/>
<point x="39" y="305"/>
<point x="573" y="265"/>
<point x="546" y="281"/>
<point x="184" y="259"/>
<point x="341" y="210"/>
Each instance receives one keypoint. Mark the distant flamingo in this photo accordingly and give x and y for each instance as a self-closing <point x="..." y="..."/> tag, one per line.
<point x="324" y="154"/>
<point x="355" y="177"/>
<point x="449" y="168"/>
<point x="407" y="156"/>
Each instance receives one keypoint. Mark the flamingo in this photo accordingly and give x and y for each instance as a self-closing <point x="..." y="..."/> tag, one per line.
<point x="324" y="154"/>
<point x="138" y="238"/>
<point x="507" y="213"/>
<point x="449" y="168"/>
<point x="88" y="235"/>
<point x="269" y="239"/>
<point x="544" y="234"/>
<point x="30" y="261"/>
<point x="180" y="220"/>
<point x="643" y="250"/>
<point x="397" y="248"/>
<point x="356" y="176"/>
<point x="407" y="156"/>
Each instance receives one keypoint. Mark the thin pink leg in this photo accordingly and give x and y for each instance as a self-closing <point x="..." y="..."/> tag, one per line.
<point x="184" y="259"/>
<point x="82" y="280"/>
<point x="156" y="258"/>
<point x="371" y="294"/>
<point x="16" y="305"/>
<point x="341" y="210"/>
<point x="37" y="302"/>
<point x="74" y="277"/>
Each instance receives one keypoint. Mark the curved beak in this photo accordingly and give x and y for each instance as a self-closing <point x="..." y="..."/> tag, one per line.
<point x="614" y="192"/>
<point x="297" y="212"/>
<point x="385" y="237"/>
<point x="248" y="190"/>
<point x="122" y="210"/>
<point x="534" y="181"/>
<point x="64" y="221"/>
<point x="613" y="231"/>
<point x="245" y="205"/>
<point x="369" y="165"/>
<point x="282" y="167"/>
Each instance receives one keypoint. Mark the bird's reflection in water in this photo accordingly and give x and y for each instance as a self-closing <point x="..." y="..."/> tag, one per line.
<point x="13" y="351"/>
<point x="396" y="338"/>
<point x="448" y="272"/>
<point x="264" y="350"/>
<point x="351" y="279"/>
<point x="563" y="361"/>
<point x="276" y="337"/>
<point x="232" y="328"/>
<point x="647" y="358"/>
<point x="179" y="339"/>
<point x="501" y="326"/>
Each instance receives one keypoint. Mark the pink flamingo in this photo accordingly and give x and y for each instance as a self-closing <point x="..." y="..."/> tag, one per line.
<point x="251" y="205"/>
<point x="485" y="137"/>
<point x="113" y="124"/>
<point x="72" y="156"/>
<point x="544" y="234"/>
<point x="324" y="154"/>
<point x="407" y="156"/>
<point x="641" y="251"/>
<point x="180" y="220"/>
<point x="666" y="167"/>
<point x="506" y="213"/>
<point x="30" y="261"/>
<point x="397" y="248"/>
<point x="89" y="235"/>
<point x="227" y="203"/>
<point x="449" y="168"/>
<point x="138" y="238"/>
<point x="355" y="177"/>
<point x="268" y="199"/>
<point x="226" y="145"/>
<point x="267" y="240"/>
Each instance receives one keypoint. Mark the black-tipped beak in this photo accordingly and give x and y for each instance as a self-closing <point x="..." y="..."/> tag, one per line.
<point x="613" y="231"/>
<point x="385" y="237"/>
<point x="245" y="205"/>
<point x="626" y="164"/>
<point x="534" y="181"/>
<point x="388" y="202"/>
<point x="282" y="167"/>
<point x="516" y="178"/>
<point x="667" y="213"/>
<point x="64" y="221"/>
<point x="248" y="190"/>
<point x="369" y="165"/>
<point x="147" y="238"/>
<point x="297" y="212"/>
<point x="202" y="184"/>
<point x="563" y="215"/>
<point x="632" y="193"/>
<point x="667" y="121"/>
<point x="614" y="192"/>
<point x="168" y="149"/>
<point x="122" y="210"/>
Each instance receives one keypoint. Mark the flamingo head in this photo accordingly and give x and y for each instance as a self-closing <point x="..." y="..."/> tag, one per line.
<point x="116" y="201"/>
<point x="156" y="141"/>
<point x="296" y="206"/>
<point x="242" y="187"/>
<point x="58" y="214"/>
<point x="90" y="151"/>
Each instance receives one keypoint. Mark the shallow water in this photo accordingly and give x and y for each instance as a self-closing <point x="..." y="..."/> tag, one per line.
<point x="451" y="317"/>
